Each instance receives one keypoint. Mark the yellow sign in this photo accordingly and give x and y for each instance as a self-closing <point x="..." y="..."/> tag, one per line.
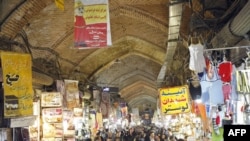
<point x="17" y="84"/>
<point x="95" y="13"/>
<point x="60" y="4"/>
<point x="175" y="100"/>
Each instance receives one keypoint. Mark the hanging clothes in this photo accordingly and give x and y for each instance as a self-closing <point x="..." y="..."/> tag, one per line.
<point x="210" y="70"/>
<point x="216" y="93"/>
<point x="240" y="82"/>
<point x="227" y="90"/>
<point x="234" y="95"/>
<point x="197" y="60"/>
<point x="205" y="85"/>
<point x="243" y="84"/>
<point x="225" y="71"/>
<point x="195" y="92"/>
<point x="204" y="92"/>
<point x="211" y="89"/>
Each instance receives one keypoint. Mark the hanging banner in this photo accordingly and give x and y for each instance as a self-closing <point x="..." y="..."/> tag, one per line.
<point x="91" y="24"/>
<point x="17" y="84"/>
<point x="72" y="93"/>
<point x="99" y="120"/>
<point x="105" y="104"/>
<point x="60" y="4"/>
<point x="175" y="100"/>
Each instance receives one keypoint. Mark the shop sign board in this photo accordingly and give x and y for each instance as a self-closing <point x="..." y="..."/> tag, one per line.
<point x="17" y="84"/>
<point x="175" y="100"/>
<point x="22" y="121"/>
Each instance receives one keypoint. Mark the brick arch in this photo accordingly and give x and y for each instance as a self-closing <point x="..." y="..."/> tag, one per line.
<point x="103" y="58"/>
<point x="21" y="16"/>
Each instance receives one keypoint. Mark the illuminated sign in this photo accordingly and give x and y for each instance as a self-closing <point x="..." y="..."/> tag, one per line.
<point x="174" y="100"/>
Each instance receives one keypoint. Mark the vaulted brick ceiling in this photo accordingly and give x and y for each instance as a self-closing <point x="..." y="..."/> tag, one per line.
<point x="139" y="30"/>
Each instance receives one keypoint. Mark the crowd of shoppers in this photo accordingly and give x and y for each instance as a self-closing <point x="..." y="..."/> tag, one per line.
<point x="139" y="133"/>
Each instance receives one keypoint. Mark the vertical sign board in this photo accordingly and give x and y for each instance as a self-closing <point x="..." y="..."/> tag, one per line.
<point x="175" y="100"/>
<point x="92" y="24"/>
<point x="17" y="84"/>
<point x="60" y="4"/>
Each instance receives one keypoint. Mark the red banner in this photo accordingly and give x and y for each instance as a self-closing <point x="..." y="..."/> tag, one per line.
<point x="92" y="26"/>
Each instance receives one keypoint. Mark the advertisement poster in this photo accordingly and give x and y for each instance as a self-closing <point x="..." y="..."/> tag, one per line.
<point x="51" y="130"/>
<point x="17" y="83"/>
<point x="91" y="24"/>
<point x="52" y="115"/>
<point x="51" y="99"/>
<point x="34" y="130"/>
<point x="68" y="124"/>
<point x="72" y="94"/>
<point x="175" y="100"/>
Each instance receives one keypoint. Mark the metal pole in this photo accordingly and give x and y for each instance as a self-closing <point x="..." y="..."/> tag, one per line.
<point x="224" y="48"/>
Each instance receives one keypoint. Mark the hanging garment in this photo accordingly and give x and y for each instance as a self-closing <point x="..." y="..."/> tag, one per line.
<point x="210" y="70"/>
<point x="195" y="92"/>
<point x="242" y="78"/>
<point x="208" y="110"/>
<point x="216" y="93"/>
<point x="212" y="75"/>
<point x="225" y="71"/>
<point x="217" y="119"/>
<point x="241" y="84"/>
<point x="206" y="83"/>
<point x="227" y="90"/>
<point x="238" y="82"/>
<point x="197" y="60"/>
<point x="239" y="113"/>
<point x="239" y="78"/>
<point x="211" y="89"/>
<point x="228" y="108"/>
<point x="234" y="95"/>
<point x="207" y="61"/>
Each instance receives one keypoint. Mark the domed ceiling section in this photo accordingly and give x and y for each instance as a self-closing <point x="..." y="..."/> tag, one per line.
<point x="134" y="75"/>
<point x="139" y="32"/>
